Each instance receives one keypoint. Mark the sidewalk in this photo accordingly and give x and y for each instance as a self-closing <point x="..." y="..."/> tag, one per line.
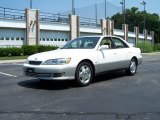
<point x="12" y="61"/>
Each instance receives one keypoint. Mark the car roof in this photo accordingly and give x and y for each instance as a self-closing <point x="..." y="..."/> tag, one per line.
<point x="100" y="36"/>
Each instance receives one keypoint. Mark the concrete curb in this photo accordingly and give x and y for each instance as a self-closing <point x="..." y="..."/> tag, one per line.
<point x="153" y="53"/>
<point x="12" y="61"/>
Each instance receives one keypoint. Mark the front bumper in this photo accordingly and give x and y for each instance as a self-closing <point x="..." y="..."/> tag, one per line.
<point x="50" y="72"/>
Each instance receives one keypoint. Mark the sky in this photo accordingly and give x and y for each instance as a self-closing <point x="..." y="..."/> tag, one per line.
<point x="61" y="6"/>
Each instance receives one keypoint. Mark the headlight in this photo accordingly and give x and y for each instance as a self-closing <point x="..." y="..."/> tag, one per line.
<point x="59" y="61"/>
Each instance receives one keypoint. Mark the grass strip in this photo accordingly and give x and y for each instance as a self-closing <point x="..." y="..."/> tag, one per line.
<point x="13" y="58"/>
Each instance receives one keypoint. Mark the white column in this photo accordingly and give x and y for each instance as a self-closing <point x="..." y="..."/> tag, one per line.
<point x="32" y="27"/>
<point x="74" y="26"/>
<point x="103" y="27"/>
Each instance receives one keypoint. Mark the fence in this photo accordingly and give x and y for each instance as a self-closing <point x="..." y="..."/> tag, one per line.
<point x="89" y="22"/>
<point x="15" y="14"/>
<point x="53" y="18"/>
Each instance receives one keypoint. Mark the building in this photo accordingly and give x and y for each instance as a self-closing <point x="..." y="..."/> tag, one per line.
<point x="32" y="27"/>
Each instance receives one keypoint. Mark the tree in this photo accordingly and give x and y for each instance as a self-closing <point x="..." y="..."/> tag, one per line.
<point x="135" y="18"/>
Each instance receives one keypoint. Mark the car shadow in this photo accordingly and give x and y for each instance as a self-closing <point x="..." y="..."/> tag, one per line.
<point x="61" y="85"/>
<point x="109" y="76"/>
<point x="46" y="84"/>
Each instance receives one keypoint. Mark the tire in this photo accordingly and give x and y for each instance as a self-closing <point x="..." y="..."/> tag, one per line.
<point x="84" y="74"/>
<point x="132" y="68"/>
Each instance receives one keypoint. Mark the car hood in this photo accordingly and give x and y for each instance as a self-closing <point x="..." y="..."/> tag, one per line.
<point x="61" y="53"/>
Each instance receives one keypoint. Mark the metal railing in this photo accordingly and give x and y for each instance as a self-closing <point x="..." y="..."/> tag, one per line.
<point x="89" y="22"/>
<point x="53" y="18"/>
<point x="7" y="13"/>
<point x="15" y="14"/>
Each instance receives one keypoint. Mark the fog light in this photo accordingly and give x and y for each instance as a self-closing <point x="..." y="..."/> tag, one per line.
<point x="58" y="74"/>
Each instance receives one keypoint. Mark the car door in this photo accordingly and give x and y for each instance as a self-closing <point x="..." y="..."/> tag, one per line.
<point x="107" y="57"/>
<point x="122" y="53"/>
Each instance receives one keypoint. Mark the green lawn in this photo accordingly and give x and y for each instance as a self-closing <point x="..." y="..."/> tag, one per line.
<point x="13" y="58"/>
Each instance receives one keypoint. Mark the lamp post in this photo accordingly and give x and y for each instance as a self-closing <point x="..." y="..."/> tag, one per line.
<point x="30" y="4"/>
<point x="122" y="6"/>
<point x="96" y="13"/>
<point x="73" y="8"/>
<point x="123" y="10"/>
<point x="144" y="4"/>
<point x="105" y="9"/>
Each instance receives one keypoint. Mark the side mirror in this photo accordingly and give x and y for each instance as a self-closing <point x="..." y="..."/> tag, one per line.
<point x="104" y="47"/>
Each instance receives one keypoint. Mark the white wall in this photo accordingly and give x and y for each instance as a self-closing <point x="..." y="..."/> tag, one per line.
<point x="11" y="37"/>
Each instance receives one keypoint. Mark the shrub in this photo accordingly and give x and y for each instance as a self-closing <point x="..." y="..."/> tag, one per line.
<point x="42" y="48"/>
<point x="157" y="47"/>
<point x="145" y="46"/>
<point x="29" y="49"/>
<point x="3" y="52"/>
<point x="25" y="50"/>
<point x="15" y="51"/>
<point x="11" y="51"/>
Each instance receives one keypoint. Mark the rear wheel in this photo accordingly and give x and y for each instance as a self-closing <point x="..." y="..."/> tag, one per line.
<point x="84" y="74"/>
<point x="132" y="67"/>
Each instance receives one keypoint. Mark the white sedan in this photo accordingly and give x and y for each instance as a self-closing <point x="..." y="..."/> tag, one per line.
<point x="83" y="58"/>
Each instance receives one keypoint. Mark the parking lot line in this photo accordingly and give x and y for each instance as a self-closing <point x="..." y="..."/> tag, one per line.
<point x="8" y="74"/>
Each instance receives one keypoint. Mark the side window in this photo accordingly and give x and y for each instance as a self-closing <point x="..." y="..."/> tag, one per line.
<point x="88" y="44"/>
<point x="107" y="41"/>
<point x="118" y="43"/>
<point x="75" y="44"/>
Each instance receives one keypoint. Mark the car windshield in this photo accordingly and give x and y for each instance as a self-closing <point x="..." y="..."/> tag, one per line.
<point x="82" y="43"/>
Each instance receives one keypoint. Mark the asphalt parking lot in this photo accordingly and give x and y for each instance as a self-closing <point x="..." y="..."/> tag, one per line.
<point x="113" y="96"/>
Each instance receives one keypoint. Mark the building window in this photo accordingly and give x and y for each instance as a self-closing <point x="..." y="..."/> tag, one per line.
<point x="47" y="39"/>
<point x="59" y="39"/>
<point x="7" y="38"/>
<point x="2" y="38"/>
<point x="51" y="39"/>
<point x="12" y="38"/>
<point x="66" y="39"/>
<point x="22" y="38"/>
<point x="17" y="38"/>
<point x="43" y="39"/>
<point x="55" y="39"/>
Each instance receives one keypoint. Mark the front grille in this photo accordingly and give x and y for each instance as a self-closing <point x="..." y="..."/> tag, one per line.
<point x="35" y="62"/>
<point x="37" y="74"/>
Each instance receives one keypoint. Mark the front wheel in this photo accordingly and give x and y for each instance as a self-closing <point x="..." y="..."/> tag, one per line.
<point x="132" y="67"/>
<point x="84" y="74"/>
